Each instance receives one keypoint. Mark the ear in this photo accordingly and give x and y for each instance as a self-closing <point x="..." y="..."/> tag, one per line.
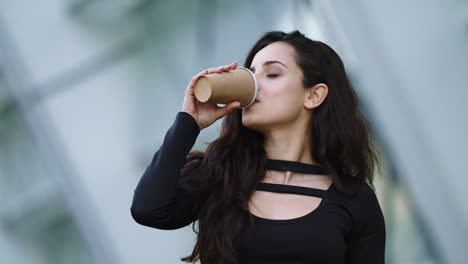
<point x="315" y="95"/>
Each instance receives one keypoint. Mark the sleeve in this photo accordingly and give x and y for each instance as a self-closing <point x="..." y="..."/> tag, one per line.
<point x="157" y="202"/>
<point x="367" y="239"/>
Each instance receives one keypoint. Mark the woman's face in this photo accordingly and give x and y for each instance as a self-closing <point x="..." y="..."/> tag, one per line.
<point x="280" y="91"/>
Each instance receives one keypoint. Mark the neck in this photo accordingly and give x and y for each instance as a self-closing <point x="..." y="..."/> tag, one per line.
<point x="291" y="144"/>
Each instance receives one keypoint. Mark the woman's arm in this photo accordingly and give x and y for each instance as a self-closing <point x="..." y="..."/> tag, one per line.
<point x="157" y="202"/>
<point x="367" y="238"/>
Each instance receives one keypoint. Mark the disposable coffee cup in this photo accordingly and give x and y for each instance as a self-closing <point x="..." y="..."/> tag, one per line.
<point x="225" y="87"/>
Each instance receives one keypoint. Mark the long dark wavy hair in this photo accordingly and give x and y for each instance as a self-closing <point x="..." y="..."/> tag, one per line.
<point x="228" y="171"/>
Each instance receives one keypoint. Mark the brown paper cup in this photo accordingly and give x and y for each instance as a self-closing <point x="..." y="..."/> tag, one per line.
<point x="222" y="88"/>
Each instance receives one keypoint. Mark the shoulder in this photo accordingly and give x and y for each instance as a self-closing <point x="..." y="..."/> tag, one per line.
<point x="362" y="199"/>
<point x="365" y="191"/>
<point x="360" y="188"/>
<point x="350" y="187"/>
<point x="364" y="205"/>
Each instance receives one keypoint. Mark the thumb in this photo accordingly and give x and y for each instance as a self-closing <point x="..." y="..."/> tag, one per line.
<point x="226" y="109"/>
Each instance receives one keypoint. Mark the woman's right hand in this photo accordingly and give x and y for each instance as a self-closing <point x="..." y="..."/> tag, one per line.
<point x="207" y="113"/>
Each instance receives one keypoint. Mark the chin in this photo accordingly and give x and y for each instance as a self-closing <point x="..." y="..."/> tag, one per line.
<point x="248" y="116"/>
<point x="251" y="122"/>
<point x="248" y="120"/>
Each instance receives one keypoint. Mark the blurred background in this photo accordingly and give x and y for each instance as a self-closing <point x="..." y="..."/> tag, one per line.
<point x="88" y="90"/>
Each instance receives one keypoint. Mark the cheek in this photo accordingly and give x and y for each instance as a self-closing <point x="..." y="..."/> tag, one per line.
<point x="285" y="109"/>
<point x="286" y="100"/>
<point x="276" y="108"/>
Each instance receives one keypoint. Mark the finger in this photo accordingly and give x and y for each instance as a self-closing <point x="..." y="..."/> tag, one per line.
<point x="234" y="65"/>
<point x="233" y="105"/>
<point x="199" y="74"/>
<point x="226" y="109"/>
<point x="213" y="70"/>
<point x="202" y="73"/>
<point x="195" y="78"/>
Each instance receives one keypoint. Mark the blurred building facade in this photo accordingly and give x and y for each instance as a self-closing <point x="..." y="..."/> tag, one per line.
<point x="88" y="90"/>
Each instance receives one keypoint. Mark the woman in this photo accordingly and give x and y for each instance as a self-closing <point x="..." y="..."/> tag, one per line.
<point x="289" y="180"/>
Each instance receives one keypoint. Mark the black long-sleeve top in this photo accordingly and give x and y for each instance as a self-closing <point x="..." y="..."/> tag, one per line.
<point x="340" y="230"/>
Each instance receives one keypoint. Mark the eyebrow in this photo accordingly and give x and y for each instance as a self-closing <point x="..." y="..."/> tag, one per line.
<point x="266" y="63"/>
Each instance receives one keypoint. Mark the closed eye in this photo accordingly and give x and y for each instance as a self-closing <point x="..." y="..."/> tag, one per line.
<point x="272" y="75"/>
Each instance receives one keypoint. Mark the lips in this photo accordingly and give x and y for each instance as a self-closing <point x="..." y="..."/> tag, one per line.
<point x="254" y="102"/>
